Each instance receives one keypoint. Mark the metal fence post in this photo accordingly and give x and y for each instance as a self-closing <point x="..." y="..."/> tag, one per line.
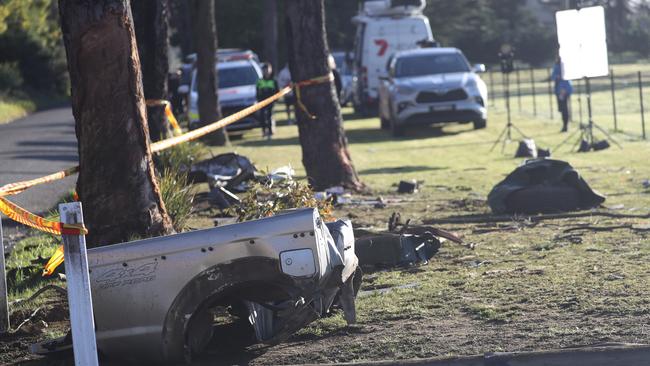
<point x="79" y="295"/>
<point x="611" y="81"/>
<point x="518" y="89"/>
<point x="492" y="96"/>
<point x="4" y="301"/>
<point x="550" y="94"/>
<point x="532" y="83"/>
<point x="641" y="101"/>
<point x="580" y="99"/>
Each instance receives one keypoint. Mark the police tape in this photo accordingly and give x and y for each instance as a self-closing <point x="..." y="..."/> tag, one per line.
<point x="314" y="81"/>
<point x="18" y="214"/>
<point x="25" y="217"/>
<point x="168" y="113"/>
<point x="15" y="188"/>
<point x="200" y="132"/>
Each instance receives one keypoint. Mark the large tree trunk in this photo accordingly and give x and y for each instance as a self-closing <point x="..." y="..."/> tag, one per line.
<point x="116" y="181"/>
<point x="324" y="145"/>
<point x="270" y="32"/>
<point x="151" y="24"/>
<point x="205" y="35"/>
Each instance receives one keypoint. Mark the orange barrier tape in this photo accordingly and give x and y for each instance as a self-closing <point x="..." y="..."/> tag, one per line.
<point x="25" y="217"/>
<point x="317" y="80"/>
<point x="15" y="188"/>
<point x="168" y="113"/>
<point x="200" y="132"/>
<point x="55" y="260"/>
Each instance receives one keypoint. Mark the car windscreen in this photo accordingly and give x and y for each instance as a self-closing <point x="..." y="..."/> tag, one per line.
<point x="235" y="76"/>
<point x="430" y="64"/>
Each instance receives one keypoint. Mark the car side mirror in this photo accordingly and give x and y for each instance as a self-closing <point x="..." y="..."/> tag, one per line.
<point x="183" y="89"/>
<point x="479" y="68"/>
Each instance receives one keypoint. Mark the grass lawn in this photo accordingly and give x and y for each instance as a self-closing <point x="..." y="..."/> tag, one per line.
<point x="525" y="285"/>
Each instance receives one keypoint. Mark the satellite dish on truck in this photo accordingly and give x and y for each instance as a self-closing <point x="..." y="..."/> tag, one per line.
<point x="393" y="7"/>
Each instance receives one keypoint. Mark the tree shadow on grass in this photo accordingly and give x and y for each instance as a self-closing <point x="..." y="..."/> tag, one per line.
<point x="366" y="135"/>
<point x="401" y="169"/>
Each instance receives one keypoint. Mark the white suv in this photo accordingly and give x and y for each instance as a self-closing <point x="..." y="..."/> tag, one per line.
<point x="432" y="86"/>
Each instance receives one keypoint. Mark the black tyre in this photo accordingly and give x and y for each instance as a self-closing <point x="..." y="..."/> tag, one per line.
<point x="396" y="130"/>
<point x="479" y="124"/>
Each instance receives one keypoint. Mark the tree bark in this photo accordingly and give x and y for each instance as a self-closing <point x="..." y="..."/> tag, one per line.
<point x="116" y="183"/>
<point x="325" y="152"/>
<point x="205" y="35"/>
<point x="270" y="32"/>
<point x="151" y="32"/>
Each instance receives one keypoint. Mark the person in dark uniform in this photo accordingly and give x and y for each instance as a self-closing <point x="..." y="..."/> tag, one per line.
<point x="563" y="91"/>
<point x="266" y="87"/>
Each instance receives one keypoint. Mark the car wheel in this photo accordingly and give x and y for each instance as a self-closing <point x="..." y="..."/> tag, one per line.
<point x="395" y="129"/>
<point x="480" y="123"/>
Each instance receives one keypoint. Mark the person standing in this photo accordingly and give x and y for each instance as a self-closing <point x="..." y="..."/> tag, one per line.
<point x="284" y="80"/>
<point x="563" y="91"/>
<point x="266" y="87"/>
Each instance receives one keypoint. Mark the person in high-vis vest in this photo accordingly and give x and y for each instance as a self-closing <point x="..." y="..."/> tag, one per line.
<point x="266" y="87"/>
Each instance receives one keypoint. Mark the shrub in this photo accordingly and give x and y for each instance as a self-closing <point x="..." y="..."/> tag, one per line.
<point x="267" y="199"/>
<point x="181" y="157"/>
<point x="177" y="195"/>
<point x="10" y="77"/>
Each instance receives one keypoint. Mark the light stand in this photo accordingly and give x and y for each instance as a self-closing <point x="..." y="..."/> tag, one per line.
<point x="586" y="139"/>
<point x="507" y="61"/>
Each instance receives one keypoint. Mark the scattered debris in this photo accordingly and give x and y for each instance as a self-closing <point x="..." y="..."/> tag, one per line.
<point x="402" y="245"/>
<point x="408" y="186"/>
<point x="543" y="186"/>
<point x="526" y="149"/>
<point x="585" y="146"/>
<point x="231" y="171"/>
<point x="385" y="290"/>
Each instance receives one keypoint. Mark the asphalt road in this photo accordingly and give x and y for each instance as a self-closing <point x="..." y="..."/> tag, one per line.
<point x="38" y="145"/>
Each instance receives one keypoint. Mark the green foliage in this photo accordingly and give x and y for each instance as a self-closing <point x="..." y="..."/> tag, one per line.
<point x="181" y="157"/>
<point x="177" y="195"/>
<point x="25" y="264"/>
<point x="10" y="77"/>
<point x="30" y="36"/>
<point x="267" y="199"/>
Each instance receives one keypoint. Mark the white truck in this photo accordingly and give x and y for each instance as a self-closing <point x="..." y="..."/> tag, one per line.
<point x="383" y="28"/>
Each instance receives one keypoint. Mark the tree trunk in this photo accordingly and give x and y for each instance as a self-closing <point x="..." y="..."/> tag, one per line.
<point x="324" y="145"/>
<point x="181" y="20"/>
<point x="151" y="32"/>
<point x="205" y="35"/>
<point x="270" y="32"/>
<point x="116" y="183"/>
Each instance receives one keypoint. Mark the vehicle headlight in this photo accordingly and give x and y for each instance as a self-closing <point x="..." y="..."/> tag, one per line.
<point x="404" y="89"/>
<point x="471" y="83"/>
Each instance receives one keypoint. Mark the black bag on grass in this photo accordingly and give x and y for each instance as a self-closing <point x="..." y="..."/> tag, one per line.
<point x="543" y="186"/>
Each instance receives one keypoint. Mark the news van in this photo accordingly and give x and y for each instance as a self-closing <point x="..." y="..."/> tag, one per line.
<point x="383" y="28"/>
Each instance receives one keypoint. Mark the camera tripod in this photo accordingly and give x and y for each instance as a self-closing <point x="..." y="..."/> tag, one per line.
<point x="506" y="134"/>
<point x="586" y="138"/>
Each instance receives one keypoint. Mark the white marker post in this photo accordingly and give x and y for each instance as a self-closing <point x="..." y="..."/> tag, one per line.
<point x="79" y="296"/>
<point x="4" y="304"/>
